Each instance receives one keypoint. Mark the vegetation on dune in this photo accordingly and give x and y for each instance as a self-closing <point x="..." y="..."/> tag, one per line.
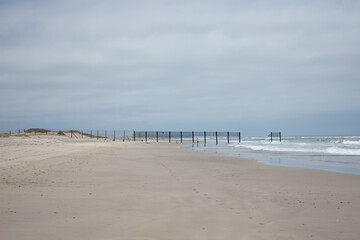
<point x="21" y="135"/>
<point x="61" y="133"/>
<point x="74" y="131"/>
<point x="37" y="130"/>
<point x="79" y="132"/>
<point x="43" y="130"/>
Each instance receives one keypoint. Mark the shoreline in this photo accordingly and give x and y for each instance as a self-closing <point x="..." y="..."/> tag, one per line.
<point x="106" y="190"/>
<point x="306" y="160"/>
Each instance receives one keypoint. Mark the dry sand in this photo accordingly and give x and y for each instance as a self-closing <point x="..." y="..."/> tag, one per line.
<point x="52" y="187"/>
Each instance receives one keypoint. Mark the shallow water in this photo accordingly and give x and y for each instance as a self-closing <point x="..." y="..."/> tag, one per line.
<point x="331" y="153"/>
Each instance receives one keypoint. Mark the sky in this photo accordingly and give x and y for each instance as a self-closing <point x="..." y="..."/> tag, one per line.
<point x="249" y="66"/>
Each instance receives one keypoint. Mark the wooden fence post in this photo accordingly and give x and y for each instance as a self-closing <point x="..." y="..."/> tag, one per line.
<point x="204" y="138"/>
<point x="146" y="136"/>
<point x="239" y="137"/>
<point x="216" y="134"/>
<point x="134" y="135"/>
<point x="157" y="136"/>
<point x="169" y="136"/>
<point x="228" y="137"/>
<point x="181" y="137"/>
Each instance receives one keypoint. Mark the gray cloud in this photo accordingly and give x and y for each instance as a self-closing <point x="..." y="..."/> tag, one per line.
<point x="176" y="63"/>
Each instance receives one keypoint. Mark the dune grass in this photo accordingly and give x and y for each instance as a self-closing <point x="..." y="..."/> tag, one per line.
<point x="4" y="135"/>
<point x="37" y="130"/>
<point x="79" y="132"/>
<point x="61" y="133"/>
<point x="21" y="135"/>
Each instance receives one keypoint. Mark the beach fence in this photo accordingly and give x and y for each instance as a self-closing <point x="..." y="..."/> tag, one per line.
<point x="192" y="136"/>
<point x="28" y="132"/>
<point x="275" y="135"/>
<point x="134" y="135"/>
<point x="123" y="135"/>
<point x="106" y="135"/>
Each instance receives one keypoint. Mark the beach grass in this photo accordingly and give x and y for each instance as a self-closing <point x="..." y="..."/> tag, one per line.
<point x="37" y="130"/>
<point x="61" y="133"/>
<point x="79" y="132"/>
<point x="21" y="135"/>
<point x="4" y="135"/>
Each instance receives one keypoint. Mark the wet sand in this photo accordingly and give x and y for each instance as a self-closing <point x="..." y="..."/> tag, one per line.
<point x="53" y="187"/>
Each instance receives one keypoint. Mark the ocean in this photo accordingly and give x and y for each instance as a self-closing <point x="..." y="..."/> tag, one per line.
<point x="330" y="153"/>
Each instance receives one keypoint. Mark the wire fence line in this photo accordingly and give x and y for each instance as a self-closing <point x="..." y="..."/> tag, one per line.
<point x="134" y="135"/>
<point x="125" y="135"/>
<point x="181" y="136"/>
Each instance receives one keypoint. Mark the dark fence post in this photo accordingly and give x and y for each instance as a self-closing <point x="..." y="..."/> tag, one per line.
<point x="228" y="137"/>
<point x="204" y="138"/>
<point x="146" y="136"/>
<point x="169" y="136"/>
<point x="181" y="137"/>
<point x="216" y="134"/>
<point x="192" y="134"/>
<point x="114" y="136"/>
<point x="239" y="137"/>
<point x="157" y="136"/>
<point x="134" y="135"/>
<point x="280" y="136"/>
<point x="105" y="135"/>
<point x="271" y="136"/>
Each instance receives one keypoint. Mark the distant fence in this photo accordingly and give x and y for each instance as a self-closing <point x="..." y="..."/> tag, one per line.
<point x="132" y="135"/>
<point x="186" y="136"/>
<point x="124" y="135"/>
<point x="274" y="134"/>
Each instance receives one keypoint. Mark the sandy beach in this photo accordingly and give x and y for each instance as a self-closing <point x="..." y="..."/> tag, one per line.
<point x="54" y="187"/>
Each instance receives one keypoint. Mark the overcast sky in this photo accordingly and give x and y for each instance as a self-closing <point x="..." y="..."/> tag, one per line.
<point x="252" y="66"/>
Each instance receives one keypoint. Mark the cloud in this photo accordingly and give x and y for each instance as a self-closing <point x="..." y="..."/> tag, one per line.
<point x="181" y="62"/>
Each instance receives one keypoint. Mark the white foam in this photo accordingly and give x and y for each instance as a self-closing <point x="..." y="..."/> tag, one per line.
<point x="341" y="145"/>
<point x="342" y="151"/>
<point x="351" y="142"/>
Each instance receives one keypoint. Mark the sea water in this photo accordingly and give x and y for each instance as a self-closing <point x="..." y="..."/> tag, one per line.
<point x="331" y="153"/>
